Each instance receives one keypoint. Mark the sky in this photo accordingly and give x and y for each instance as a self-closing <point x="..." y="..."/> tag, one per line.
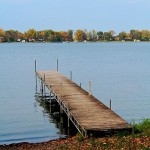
<point x="61" y="15"/>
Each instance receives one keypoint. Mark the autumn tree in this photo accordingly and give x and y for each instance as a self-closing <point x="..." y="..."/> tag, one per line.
<point x="40" y="35"/>
<point x="80" y="36"/>
<point x="2" y="32"/>
<point x="31" y="34"/>
<point x="65" y="36"/>
<point x="56" y="37"/>
<point x="145" y="35"/>
<point x="48" y="35"/>
<point x="13" y="35"/>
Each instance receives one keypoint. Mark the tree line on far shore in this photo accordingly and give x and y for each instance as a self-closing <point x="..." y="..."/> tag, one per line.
<point x="79" y="35"/>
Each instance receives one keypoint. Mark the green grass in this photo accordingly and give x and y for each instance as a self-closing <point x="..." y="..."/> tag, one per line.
<point x="142" y="128"/>
<point x="80" y="137"/>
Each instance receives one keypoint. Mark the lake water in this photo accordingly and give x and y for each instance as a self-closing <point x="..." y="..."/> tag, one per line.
<point x="118" y="71"/>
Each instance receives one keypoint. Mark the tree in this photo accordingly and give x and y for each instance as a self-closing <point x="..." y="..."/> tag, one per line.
<point x="57" y="37"/>
<point x="13" y="35"/>
<point x="94" y="35"/>
<point x="70" y="35"/>
<point x="2" y="32"/>
<point x="65" y="36"/>
<point x="48" y="35"/>
<point x="80" y="36"/>
<point x="145" y="35"/>
<point x="122" y="35"/>
<point x="135" y="34"/>
<point x="31" y="35"/>
<point x="107" y="36"/>
<point x="40" y="35"/>
<point x="112" y="32"/>
<point x="88" y="35"/>
<point x="91" y="35"/>
<point x="100" y="35"/>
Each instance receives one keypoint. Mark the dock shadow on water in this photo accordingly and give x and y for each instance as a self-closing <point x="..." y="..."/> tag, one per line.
<point x="53" y="110"/>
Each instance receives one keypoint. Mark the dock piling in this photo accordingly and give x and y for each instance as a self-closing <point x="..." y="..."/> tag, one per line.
<point x="50" y="105"/>
<point x="110" y="103"/>
<point x="68" y="119"/>
<point x="44" y="86"/>
<point x="90" y="88"/>
<point x="80" y="84"/>
<point x="57" y="64"/>
<point x="41" y="90"/>
<point x="35" y="78"/>
<point x="35" y="65"/>
<point x="70" y="75"/>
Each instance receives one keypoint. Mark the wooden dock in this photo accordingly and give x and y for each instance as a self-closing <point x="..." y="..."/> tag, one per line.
<point x="86" y="112"/>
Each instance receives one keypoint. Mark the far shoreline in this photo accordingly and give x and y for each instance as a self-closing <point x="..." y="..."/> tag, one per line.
<point x="79" y="42"/>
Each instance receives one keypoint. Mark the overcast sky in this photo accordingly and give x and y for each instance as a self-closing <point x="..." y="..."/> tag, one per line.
<point x="101" y="15"/>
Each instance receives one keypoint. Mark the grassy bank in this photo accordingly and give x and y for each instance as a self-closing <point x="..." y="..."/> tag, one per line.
<point x="139" y="139"/>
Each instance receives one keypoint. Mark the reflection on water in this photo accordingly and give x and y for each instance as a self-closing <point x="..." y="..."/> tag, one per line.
<point x="55" y="114"/>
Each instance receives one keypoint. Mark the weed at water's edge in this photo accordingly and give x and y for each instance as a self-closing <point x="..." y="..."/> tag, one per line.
<point x="80" y="137"/>
<point x="142" y="128"/>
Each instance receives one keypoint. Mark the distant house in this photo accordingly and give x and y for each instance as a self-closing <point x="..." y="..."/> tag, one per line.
<point x="31" y="40"/>
<point x="116" y="38"/>
<point x="1" y="39"/>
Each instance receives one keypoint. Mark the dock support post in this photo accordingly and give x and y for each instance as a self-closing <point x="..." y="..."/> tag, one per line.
<point x="85" y="134"/>
<point x="57" y="64"/>
<point x="35" y="78"/>
<point x="41" y="87"/>
<point x="70" y="75"/>
<point x="35" y="65"/>
<point x="61" y="116"/>
<point x="44" y="87"/>
<point x="50" y="103"/>
<point x="110" y="103"/>
<point x="36" y="83"/>
<point x="68" y="126"/>
<point x="68" y="119"/>
<point x="90" y="88"/>
<point x="80" y="84"/>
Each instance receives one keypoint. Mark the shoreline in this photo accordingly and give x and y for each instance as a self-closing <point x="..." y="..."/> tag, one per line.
<point x="77" y="142"/>
<point x="138" y="139"/>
